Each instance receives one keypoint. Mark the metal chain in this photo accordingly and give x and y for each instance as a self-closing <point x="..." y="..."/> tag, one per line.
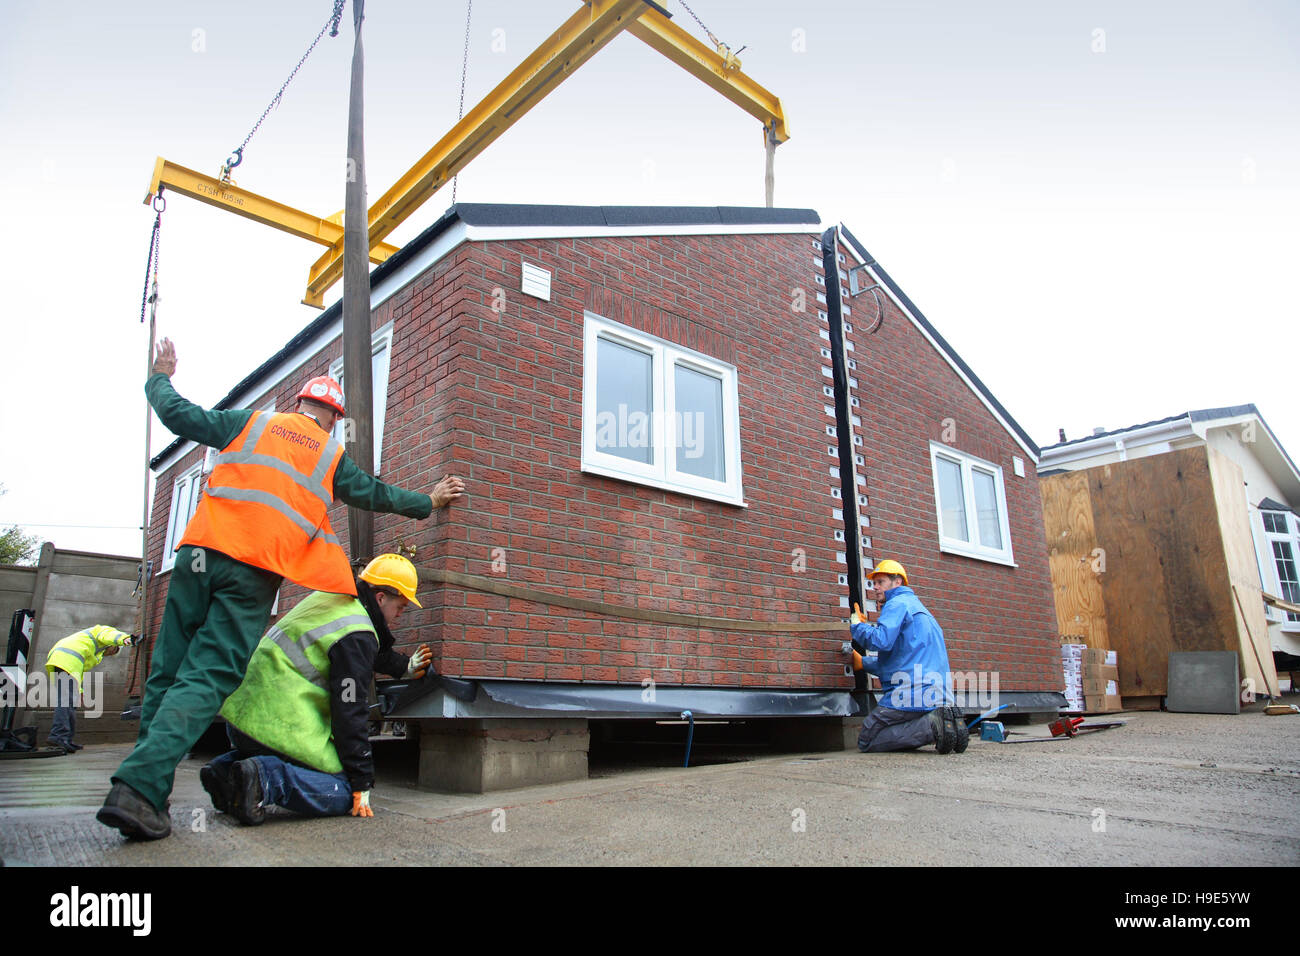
<point x="332" y="25"/>
<point x="464" y="69"/>
<point x="716" y="41"/>
<point x="151" y="266"/>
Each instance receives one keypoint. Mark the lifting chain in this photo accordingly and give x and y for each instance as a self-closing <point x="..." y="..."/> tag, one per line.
<point x="723" y="49"/>
<point x="151" y="265"/>
<point x="464" y="69"/>
<point x="237" y="156"/>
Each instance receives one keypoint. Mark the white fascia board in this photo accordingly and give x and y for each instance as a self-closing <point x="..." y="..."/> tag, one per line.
<point x="388" y="287"/>
<point x="504" y="233"/>
<point x="1106" y="444"/>
<point x="1275" y="460"/>
<point x="942" y="352"/>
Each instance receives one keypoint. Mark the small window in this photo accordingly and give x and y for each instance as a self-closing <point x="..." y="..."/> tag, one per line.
<point x="185" y="499"/>
<point x="1274" y="522"/>
<point x="659" y="414"/>
<point x="381" y="350"/>
<point x="971" y="506"/>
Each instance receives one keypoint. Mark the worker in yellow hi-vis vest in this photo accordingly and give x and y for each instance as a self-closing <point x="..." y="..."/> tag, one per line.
<point x="67" y="664"/>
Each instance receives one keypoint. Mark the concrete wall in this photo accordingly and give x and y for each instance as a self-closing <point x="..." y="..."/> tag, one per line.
<point x="17" y="590"/>
<point x="73" y="590"/>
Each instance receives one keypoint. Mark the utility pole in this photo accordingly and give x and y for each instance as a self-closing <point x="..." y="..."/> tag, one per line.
<point x="359" y="432"/>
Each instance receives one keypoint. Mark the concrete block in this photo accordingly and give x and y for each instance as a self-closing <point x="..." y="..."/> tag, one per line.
<point x="1204" y="682"/>
<point x="816" y="733"/>
<point x="482" y="755"/>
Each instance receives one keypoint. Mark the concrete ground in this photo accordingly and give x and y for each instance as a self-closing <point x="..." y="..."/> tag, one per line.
<point x="1167" y="789"/>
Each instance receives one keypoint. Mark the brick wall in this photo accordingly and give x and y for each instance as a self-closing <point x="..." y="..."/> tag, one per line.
<point x="486" y="383"/>
<point x="995" y="618"/>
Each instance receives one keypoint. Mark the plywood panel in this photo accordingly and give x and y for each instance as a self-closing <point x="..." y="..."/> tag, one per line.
<point x="1156" y="521"/>
<point x="1071" y="542"/>
<point x="1243" y="572"/>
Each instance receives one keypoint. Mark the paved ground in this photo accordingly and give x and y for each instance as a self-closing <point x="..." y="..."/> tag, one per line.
<point x="1181" y="789"/>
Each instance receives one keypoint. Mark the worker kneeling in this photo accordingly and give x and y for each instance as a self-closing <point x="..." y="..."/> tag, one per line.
<point x="920" y="708"/>
<point x="299" y="721"/>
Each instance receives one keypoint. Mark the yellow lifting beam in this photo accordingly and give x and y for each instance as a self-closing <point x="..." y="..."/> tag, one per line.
<point x="581" y="36"/>
<point x="225" y="195"/>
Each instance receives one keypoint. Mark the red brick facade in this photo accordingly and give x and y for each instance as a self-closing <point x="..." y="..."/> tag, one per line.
<point x="486" y="383"/>
<point x="995" y="618"/>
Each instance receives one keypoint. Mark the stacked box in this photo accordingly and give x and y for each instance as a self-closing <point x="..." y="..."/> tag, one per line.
<point x="1100" y="680"/>
<point x="1072" y="665"/>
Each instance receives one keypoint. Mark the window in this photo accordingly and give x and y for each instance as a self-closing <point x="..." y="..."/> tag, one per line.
<point x="659" y="414"/>
<point x="381" y="350"/>
<point x="185" y="498"/>
<point x="971" y="503"/>
<point x="1281" y="543"/>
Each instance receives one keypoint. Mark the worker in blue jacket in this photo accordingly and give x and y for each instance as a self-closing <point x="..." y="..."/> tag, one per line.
<point x="912" y="663"/>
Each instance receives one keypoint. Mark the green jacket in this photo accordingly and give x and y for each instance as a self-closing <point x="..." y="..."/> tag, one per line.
<point x="79" y="652"/>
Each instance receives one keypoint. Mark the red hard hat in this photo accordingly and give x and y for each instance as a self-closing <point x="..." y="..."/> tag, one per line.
<point x="325" y="390"/>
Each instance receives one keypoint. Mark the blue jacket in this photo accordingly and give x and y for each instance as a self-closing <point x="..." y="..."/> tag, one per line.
<point x="913" y="656"/>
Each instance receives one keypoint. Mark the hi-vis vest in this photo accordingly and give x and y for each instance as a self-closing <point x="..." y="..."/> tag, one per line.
<point x="284" y="701"/>
<point x="266" y="501"/>
<point x="79" y="652"/>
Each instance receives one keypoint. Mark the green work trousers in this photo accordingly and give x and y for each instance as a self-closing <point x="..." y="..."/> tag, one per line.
<point x="217" y="610"/>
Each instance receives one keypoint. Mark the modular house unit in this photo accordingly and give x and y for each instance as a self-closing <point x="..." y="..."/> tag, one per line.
<point x="685" y="439"/>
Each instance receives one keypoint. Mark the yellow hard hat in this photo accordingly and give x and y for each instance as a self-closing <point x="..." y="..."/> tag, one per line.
<point x="393" y="571"/>
<point x="889" y="566"/>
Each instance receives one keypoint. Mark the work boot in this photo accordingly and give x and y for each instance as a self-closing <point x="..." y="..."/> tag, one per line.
<point x="74" y="746"/>
<point x="962" y="739"/>
<point x="65" y="746"/>
<point x="219" y="786"/>
<point x="246" y="793"/>
<point x="945" y="734"/>
<point x="127" y="810"/>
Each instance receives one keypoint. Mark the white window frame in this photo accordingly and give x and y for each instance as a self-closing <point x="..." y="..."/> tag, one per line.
<point x="1292" y="537"/>
<point x="972" y="549"/>
<point x="380" y="341"/>
<point x="190" y="480"/>
<point x="662" y="473"/>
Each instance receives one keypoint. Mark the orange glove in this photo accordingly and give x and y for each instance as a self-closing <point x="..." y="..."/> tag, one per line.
<point x="361" y="804"/>
<point x="857" y="617"/>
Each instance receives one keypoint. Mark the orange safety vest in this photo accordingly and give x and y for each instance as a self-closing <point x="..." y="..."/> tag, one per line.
<point x="266" y="503"/>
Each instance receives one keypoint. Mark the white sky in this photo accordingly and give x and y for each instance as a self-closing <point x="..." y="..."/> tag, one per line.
<point x="1103" y="236"/>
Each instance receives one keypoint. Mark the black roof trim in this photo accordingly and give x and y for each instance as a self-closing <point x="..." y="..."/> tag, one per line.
<point x="1269" y="504"/>
<point x="948" y="350"/>
<point x="520" y="214"/>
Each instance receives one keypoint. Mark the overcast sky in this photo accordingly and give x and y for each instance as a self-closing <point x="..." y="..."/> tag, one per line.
<point x="1096" y="203"/>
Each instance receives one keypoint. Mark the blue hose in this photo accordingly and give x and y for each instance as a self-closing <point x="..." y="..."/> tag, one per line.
<point x="690" y="735"/>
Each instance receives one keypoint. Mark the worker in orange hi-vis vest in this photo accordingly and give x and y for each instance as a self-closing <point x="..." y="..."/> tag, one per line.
<point x="262" y="519"/>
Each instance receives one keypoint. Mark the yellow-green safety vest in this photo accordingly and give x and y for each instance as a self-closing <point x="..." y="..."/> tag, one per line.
<point x="284" y="701"/>
<point x="79" y="652"/>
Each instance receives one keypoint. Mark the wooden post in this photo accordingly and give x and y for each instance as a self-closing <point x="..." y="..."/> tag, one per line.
<point x="359" y="429"/>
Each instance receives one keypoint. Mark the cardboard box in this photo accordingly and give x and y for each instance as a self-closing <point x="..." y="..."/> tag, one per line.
<point x="1099" y="657"/>
<point x="1097" y="703"/>
<point x="1096" y="687"/>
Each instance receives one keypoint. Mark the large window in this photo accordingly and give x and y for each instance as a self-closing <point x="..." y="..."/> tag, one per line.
<point x="381" y="349"/>
<point x="659" y="414"/>
<point x="971" y="503"/>
<point x="1281" y="543"/>
<point x="185" y="498"/>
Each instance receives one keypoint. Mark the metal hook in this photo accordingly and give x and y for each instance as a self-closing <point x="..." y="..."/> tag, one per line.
<point x="235" y="158"/>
